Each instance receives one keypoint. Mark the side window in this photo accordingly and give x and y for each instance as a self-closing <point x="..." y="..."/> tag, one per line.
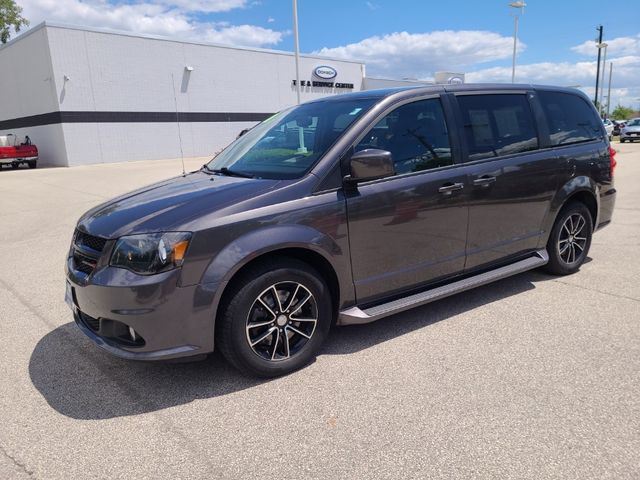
<point x="416" y="135"/>
<point x="496" y="125"/>
<point x="570" y="118"/>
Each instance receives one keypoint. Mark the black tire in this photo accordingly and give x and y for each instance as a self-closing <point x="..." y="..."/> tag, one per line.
<point x="32" y="164"/>
<point x="242" y="307"/>
<point x="15" y="165"/>
<point x="622" y="140"/>
<point x="567" y="251"/>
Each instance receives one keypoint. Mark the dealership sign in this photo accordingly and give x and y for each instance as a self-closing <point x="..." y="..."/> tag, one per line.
<point x="325" y="72"/>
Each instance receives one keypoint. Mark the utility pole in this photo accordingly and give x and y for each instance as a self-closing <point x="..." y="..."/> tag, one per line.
<point x="598" y="67"/>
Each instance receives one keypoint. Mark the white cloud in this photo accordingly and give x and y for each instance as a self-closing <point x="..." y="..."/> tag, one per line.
<point x="617" y="46"/>
<point x="419" y="55"/>
<point x="171" y="18"/>
<point x="209" y="6"/>
<point x="625" y="84"/>
<point x="403" y="54"/>
<point x="249" y="35"/>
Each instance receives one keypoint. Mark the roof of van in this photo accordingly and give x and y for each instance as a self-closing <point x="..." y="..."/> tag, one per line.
<point x="426" y="89"/>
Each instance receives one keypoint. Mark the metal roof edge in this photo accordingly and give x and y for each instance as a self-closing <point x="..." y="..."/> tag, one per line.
<point x="66" y="26"/>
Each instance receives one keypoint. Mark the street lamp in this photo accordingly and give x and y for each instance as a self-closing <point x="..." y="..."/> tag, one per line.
<point x="516" y="17"/>
<point x="604" y="63"/>
<point x="609" y="90"/>
<point x="297" y="48"/>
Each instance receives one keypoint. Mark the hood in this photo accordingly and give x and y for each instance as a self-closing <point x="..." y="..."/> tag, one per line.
<point x="632" y="128"/>
<point x="168" y="205"/>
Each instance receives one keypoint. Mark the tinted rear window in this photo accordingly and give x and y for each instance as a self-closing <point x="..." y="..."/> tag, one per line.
<point x="570" y="118"/>
<point x="497" y="125"/>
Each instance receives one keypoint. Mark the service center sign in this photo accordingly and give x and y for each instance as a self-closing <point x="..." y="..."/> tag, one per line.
<point x="324" y="72"/>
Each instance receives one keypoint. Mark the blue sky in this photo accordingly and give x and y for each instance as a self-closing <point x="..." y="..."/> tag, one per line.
<point x="549" y="28"/>
<point x="397" y="39"/>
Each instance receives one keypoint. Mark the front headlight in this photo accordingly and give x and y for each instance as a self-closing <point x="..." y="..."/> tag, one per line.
<point x="150" y="253"/>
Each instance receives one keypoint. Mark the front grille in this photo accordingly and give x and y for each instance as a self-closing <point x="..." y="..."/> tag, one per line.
<point x="86" y="252"/>
<point x="85" y="240"/>
<point x="92" y="323"/>
<point x="83" y="263"/>
<point x="116" y="332"/>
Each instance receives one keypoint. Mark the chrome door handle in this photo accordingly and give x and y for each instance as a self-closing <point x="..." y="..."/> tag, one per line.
<point x="449" y="188"/>
<point x="484" y="181"/>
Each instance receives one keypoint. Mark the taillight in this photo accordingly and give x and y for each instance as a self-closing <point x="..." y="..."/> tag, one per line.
<point x="612" y="156"/>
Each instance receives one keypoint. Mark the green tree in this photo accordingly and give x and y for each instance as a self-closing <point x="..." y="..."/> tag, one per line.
<point x="10" y="18"/>
<point x="622" y="113"/>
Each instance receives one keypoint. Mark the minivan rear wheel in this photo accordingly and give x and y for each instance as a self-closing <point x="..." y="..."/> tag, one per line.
<point x="275" y="318"/>
<point x="570" y="239"/>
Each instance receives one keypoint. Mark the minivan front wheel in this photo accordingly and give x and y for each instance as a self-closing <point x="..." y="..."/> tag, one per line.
<point x="570" y="239"/>
<point x="275" y="318"/>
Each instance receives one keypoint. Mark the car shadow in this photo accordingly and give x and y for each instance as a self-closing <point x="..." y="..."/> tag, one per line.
<point x="9" y="168"/>
<point x="83" y="382"/>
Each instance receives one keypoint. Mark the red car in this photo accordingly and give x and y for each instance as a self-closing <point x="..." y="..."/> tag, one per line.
<point x="14" y="153"/>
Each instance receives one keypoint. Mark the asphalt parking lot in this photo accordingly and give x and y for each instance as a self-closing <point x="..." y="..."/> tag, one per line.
<point x="531" y="377"/>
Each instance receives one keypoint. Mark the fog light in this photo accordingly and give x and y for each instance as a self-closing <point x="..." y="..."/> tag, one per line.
<point x="132" y="332"/>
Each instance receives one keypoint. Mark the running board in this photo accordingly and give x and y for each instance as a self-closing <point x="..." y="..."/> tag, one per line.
<point x="355" y="315"/>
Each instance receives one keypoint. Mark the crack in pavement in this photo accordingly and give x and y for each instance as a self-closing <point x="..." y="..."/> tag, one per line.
<point x="18" y="464"/>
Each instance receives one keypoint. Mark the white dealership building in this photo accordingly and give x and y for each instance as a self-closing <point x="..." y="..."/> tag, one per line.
<point x="91" y="96"/>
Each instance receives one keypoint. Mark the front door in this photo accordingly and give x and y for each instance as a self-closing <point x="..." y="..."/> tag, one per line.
<point x="409" y="229"/>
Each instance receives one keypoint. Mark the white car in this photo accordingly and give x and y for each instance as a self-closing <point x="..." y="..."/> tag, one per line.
<point x="631" y="131"/>
<point x="608" y="126"/>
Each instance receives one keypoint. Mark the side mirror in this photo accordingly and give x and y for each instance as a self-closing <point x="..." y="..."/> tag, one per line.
<point x="371" y="164"/>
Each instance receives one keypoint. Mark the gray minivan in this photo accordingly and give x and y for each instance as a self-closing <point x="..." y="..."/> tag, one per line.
<point x="343" y="210"/>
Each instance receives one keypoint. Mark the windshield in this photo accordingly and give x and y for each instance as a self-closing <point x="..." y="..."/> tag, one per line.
<point x="288" y="144"/>
<point x="634" y="123"/>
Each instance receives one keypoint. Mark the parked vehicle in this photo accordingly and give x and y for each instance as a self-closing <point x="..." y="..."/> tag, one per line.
<point x="608" y="126"/>
<point x="617" y="125"/>
<point x="631" y="131"/>
<point x="345" y="209"/>
<point x="15" y="152"/>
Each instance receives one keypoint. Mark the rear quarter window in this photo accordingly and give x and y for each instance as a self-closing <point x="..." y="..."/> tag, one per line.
<point x="570" y="118"/>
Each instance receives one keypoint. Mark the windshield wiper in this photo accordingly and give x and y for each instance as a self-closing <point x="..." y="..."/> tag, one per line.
<point x="226" y="171"/>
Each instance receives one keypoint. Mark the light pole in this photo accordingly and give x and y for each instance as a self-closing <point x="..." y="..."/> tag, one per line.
<point x="297" y="47"/>
<point x="609" y="90"/>
<point x="516" y="17"/>
<point x="604" y="64"/>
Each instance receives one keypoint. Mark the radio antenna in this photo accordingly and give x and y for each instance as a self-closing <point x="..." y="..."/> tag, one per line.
<point x="175" y="101"/>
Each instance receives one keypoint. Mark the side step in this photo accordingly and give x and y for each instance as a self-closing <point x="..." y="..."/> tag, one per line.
<point x="355" y="315"/>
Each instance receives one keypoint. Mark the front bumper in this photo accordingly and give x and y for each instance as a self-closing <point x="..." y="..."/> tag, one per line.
<point x="630" y="135"/>
<point x="169" y="321"/>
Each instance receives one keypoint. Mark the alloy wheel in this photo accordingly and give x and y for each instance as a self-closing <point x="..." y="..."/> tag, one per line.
<point x="573" y="238"/>
<point x="281" y="321"/>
